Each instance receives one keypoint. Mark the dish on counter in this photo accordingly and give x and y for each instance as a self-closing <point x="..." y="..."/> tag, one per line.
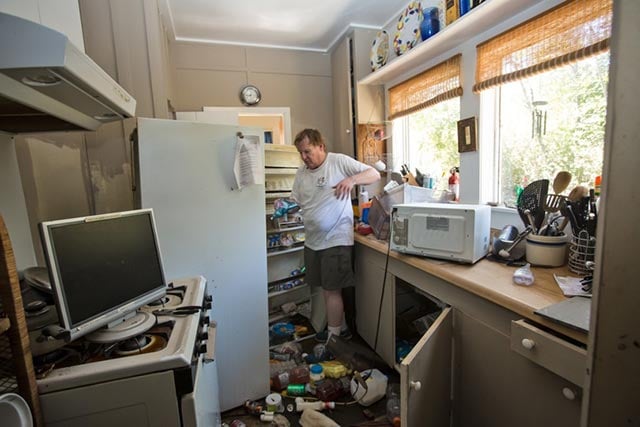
<point x="379" y="50"/>
<point x="408" y="28"/>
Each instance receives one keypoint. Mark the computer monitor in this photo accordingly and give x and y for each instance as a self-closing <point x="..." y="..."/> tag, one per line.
<point x="102" y="268"/>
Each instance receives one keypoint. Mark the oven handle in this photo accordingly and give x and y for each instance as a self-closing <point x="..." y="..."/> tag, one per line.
<point x="209" y="355"/>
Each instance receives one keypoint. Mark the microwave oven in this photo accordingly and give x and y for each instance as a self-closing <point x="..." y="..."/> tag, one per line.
<point x="455" y="232"/>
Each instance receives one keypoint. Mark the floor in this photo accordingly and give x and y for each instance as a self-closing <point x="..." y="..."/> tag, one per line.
<point x="354" y="352"/>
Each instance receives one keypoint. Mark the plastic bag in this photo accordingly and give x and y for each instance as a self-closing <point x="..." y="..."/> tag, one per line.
<point x="523" y="276"/>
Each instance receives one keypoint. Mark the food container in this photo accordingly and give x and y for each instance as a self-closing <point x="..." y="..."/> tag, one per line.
<point x="546" y="251"/>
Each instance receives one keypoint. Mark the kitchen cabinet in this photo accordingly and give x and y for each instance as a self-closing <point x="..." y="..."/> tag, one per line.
<point x="524" y="392"/>
<point x="353" y="103"/>
<point x="285" y="241"/>
<point x="533" y="374"/>
<point x="373" y="316"/>
<point x="425" y="371"/>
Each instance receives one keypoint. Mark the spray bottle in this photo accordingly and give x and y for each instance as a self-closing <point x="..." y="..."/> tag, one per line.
<point x="363" y="198"/>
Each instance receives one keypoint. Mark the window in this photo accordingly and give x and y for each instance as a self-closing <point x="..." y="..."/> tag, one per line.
<point x="551" y="122"/>
<point x="425" y="110"/>
<point x="543" y="98"/>
<point x="429" y="140"/>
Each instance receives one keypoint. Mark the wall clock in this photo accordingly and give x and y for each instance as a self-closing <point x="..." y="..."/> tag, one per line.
<point x="250" y="95"/>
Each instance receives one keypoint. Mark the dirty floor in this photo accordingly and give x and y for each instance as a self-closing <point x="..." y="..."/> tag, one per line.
<point x="356" y="353"/>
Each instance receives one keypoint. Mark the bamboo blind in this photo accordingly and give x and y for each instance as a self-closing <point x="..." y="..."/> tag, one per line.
<point x="567" y="33"/>
<point x="437" y="84"/>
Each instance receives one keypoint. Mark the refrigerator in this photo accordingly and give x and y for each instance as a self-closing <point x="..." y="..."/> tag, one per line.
<point x="206" y="226"/>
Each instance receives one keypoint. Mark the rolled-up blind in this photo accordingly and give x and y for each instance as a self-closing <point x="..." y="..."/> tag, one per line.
<point x="567" y="33"/>
<point x="428" y="88"/>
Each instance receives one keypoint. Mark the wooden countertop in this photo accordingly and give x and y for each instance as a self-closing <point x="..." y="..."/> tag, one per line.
<point x="492" y="281"/>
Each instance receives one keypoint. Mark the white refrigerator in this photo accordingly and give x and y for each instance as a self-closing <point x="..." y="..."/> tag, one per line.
<point x="206" y="227"/>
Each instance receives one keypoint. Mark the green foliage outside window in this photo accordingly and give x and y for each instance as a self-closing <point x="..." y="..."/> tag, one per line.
<point x="551" y="122"/>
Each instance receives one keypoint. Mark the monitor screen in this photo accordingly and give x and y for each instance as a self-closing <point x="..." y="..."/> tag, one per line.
<point x="102" y="267"/>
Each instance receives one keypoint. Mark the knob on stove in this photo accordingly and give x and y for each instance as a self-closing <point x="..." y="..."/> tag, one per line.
<point x="204" y="335"/>
<point x="207" y="302"/>
<point x="202" y="348"/>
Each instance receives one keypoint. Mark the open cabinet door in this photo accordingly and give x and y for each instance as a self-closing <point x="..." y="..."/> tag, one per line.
<point x="426" y="376"/>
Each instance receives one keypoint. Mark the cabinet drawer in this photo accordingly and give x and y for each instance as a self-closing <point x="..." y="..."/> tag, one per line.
<point x="549" y="351"/>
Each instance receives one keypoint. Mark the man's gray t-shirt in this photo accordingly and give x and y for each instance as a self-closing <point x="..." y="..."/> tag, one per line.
<point x="328" y="221"/>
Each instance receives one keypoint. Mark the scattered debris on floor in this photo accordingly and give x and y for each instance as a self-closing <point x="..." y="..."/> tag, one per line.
<point x="324" y="384"/>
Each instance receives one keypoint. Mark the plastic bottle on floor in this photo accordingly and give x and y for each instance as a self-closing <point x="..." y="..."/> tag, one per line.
<point x="393" y="404"/>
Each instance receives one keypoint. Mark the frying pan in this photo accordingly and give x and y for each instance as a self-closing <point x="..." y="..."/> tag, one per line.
<point x="531" y="204"/>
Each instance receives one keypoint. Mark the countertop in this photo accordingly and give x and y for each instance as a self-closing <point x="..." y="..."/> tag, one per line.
<point x="493" y="282"/>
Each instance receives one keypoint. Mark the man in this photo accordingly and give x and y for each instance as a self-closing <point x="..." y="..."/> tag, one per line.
<point x="322" y="188"/>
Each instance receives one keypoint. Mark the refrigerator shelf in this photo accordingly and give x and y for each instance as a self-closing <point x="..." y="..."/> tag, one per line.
<point x="277" y="195"/>
<point x="275" y="252"/>
<point x="282" y="230"/>
<point x="286" y="291"/>
<point x="286" y="279"/>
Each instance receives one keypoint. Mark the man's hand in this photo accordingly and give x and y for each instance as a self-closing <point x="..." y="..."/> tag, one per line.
<point x="343" y="189"/>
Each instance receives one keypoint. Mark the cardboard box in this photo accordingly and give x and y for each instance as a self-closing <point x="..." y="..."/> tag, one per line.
<point x="379" y="213"/>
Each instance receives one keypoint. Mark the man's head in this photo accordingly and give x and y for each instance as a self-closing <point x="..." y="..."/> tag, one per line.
<point x="311" y="147"/>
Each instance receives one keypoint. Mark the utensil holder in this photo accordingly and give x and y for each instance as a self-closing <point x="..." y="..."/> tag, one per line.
<point x="581" y="249"/>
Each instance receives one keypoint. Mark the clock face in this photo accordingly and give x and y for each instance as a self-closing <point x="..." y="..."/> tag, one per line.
<point x="250" y="95"/>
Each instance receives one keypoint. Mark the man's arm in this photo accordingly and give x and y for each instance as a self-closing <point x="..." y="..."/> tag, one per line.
<point x="368" y="176"/>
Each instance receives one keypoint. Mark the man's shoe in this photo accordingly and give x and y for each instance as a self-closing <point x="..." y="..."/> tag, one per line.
<point x="324" y="335"/>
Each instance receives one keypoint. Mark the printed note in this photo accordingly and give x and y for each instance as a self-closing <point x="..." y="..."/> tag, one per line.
<point x="248" y="167"/>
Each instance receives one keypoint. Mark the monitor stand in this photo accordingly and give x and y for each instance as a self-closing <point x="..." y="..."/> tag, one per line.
<point x="130" y="326"/>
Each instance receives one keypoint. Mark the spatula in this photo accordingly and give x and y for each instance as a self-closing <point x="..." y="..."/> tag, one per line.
<point x="555" y="201"/>
<point x="533" y="199"/>
<point x="560" y="183"/>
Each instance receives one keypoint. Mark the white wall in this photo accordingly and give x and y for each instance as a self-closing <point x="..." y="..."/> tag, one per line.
<point x="12" y="205"/>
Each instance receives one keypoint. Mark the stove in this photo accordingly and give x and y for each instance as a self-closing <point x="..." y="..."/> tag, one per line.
<point x="165" y="376"/>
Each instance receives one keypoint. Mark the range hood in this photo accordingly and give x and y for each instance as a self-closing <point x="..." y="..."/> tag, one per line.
<point x="47" y="84"/>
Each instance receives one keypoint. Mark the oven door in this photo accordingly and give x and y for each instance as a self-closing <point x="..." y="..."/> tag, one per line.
<point x="201" y="407"/>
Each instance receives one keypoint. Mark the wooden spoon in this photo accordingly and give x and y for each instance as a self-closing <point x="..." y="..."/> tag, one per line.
<point x="561" y="181"/>
<point x="578" y="192"/>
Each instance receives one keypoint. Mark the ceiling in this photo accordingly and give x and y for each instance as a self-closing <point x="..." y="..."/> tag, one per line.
<point x="313" y="25"/>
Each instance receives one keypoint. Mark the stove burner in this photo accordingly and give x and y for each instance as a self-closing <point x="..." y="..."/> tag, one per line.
<point x="160" y="301"/>
<point x="140" y="344"/>
<point x="45" y="363"/>
<point x="56" y="356"/>
<point x="135" y="343"/>
<point x="167" y="301"/>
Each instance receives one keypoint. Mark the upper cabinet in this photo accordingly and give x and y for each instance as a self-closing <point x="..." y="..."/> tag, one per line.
<point x="61" y="15"/>
<point x="481" y="18"/>
<point x="353" y="103"/>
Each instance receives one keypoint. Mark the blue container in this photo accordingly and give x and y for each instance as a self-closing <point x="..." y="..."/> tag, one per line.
<point x="465" y="5"/>
<point x="430" y="24"/>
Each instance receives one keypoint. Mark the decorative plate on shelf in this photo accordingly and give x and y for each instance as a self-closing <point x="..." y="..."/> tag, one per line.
<point x="408" y="28"/>
<point x="379" y="50"/>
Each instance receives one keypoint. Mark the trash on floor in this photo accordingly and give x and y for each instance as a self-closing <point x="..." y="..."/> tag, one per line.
<point x="313" y="418"/>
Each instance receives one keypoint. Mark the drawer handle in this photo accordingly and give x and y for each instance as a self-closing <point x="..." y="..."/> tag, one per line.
<point x="528" y="344"/>
<point x="416" y="385"/>
<point x="568" y="393"/>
